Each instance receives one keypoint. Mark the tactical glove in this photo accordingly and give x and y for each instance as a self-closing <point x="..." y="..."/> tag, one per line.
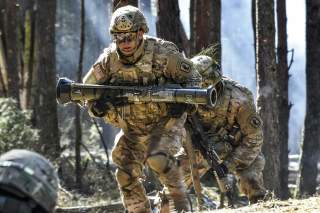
<point x="176" y="110"/>
<point x="99" y="108"/>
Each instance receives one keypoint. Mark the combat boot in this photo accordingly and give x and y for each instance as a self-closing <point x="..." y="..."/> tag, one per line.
<point x="235" y="200"/>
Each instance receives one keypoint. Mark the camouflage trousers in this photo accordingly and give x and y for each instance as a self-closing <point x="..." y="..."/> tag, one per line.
<point x="250" y="179"/>
<point x="157" y="151"/>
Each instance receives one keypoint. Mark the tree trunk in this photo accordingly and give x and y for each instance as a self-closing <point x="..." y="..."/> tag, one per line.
<point x="192" y="22"/>
<point x="311" y="140"/>
<point x="284" y="109"/>
<point x="28" y="55"/>
<point x="78" y="127"/>
<point x="206" y="25"/>
<point x="169" y="26"/>
<point x="45" y="108"/>
<point x="121" y="3"/>
<point x="268" y="92"/>
<point x="30" y="63"/>
<point x="11" y="45"/>
<point x="254" y="24"/>
<point x="3" y="71"/>
<point x="3" y="65"/>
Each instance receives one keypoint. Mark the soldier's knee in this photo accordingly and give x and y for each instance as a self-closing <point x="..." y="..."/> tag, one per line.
<point x="122" y="177"/>
<point x="160" y="162"/>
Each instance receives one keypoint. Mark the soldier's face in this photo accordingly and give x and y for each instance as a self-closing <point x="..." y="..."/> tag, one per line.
<point x="128" y="42"/>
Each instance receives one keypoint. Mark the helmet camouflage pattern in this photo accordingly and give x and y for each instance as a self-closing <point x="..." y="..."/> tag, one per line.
<point x="27" y="174"/>
<point x="209" y="70"/>
<point x="128" y="19"/>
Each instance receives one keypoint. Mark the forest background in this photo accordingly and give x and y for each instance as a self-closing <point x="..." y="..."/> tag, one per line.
<point x="44" y="40"/>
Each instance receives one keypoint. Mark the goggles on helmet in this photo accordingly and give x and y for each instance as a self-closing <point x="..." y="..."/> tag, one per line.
<point x="124" y="37"/>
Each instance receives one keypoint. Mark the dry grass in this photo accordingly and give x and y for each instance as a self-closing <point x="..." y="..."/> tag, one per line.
<point x="310" y="205"/>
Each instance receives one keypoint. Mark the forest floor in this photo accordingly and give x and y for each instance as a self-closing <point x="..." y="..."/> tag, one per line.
<point x="104" y="197"/>
<point x="307" y="205"/>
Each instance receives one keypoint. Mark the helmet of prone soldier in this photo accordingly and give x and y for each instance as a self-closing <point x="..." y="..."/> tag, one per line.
<point x="208" y="68"/>
<point x="128" y="19"/>
<point x="28" y="183"/>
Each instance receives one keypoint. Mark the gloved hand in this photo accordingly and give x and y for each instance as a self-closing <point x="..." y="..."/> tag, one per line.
<point x="99" y="108"/>
<point x="176" y="110"/>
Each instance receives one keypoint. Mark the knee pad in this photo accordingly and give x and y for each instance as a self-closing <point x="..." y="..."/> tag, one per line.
<point x="123" y="178"/>
<point x="129" y="177"/>
<point x="160" y="162"/>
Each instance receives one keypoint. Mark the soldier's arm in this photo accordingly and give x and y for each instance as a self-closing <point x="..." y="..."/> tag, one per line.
<point x="252" y="137"/>
<point x="181" y="69"/>
<point x="99" y="74"/>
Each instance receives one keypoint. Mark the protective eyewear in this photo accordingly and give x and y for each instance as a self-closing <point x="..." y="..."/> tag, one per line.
<point x="124" y="37"/>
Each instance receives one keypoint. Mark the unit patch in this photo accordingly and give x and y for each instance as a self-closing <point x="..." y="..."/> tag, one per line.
<point x="255" y="121"/>
<point x="185" y="67"/>
<point x="98" y="72"/>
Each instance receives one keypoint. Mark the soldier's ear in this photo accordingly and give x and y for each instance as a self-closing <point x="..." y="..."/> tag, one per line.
<point x="140" y="34"/>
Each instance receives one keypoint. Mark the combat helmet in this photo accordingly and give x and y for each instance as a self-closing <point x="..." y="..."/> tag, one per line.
<point x="128" y="19"/>
<point x="29" y="176"/>
<point x="209" y="70"/>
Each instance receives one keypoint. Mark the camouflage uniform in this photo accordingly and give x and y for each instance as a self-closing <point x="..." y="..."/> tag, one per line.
<point x="234" y="128"/>
<point x="150" y="134"/>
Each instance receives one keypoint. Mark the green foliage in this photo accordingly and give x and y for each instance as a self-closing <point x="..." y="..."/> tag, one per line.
<point x="15" y="127"/>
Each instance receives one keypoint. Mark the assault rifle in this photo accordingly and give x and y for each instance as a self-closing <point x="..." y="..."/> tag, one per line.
<point x="219" y="170"/>
<point x="69" y="91"/>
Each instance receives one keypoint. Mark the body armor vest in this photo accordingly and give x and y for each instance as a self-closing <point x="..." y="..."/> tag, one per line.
<point x="139" y="117"/>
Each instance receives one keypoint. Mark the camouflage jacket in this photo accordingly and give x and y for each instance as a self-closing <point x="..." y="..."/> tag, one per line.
<point x="233" y="126"/>
<point x="159" y="63"/>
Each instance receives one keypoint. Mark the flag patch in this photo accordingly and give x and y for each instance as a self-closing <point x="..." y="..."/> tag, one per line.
<point x="98" y="72"/>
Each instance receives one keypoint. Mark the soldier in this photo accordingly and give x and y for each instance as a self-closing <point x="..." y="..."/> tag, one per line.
<point x="233" y="128"/>
<point x="28" y="183"/>
<point x="152" y="132"/>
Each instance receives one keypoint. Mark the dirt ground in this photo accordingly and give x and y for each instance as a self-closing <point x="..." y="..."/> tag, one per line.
<point x="310" y="205"/>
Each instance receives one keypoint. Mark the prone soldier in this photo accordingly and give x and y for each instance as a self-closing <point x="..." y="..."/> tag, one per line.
<point x="152" y="132"/>
<point x="234" y="130"/>
<point x="28" y="183"/>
